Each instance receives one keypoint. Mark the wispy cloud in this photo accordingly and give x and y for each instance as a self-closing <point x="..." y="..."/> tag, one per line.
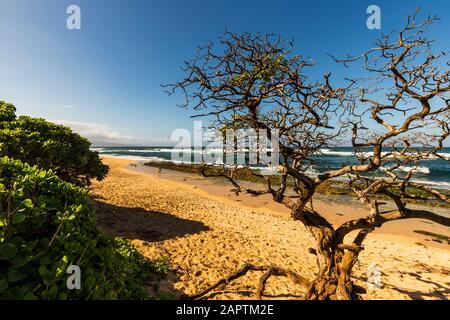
<point x="102" y="134"/>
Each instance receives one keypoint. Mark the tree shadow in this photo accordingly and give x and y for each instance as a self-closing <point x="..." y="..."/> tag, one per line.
<point x="438" y="291"/>
<point x="142" y="224"/>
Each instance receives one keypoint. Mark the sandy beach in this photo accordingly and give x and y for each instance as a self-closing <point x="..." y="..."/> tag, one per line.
<point x="207" y="233"/>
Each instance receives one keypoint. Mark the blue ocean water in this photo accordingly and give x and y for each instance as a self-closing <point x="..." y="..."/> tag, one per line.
<point x="432" y="171"/>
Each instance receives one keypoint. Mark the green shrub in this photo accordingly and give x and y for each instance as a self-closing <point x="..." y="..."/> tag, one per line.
<point x="46" y="225"/>
<point x="50" y="146"/>
<point x="7" y="112"/>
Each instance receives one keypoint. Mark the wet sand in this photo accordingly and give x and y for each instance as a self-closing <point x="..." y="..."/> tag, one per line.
<point x="207" y="233"/>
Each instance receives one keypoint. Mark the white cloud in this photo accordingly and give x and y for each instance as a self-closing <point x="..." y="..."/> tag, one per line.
<point x="101" y="134"/>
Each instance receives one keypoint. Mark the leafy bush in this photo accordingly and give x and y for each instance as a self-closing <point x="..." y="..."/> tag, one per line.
<point x="46" y="225"/>
<point x="7" y="112"/>
<point x="50" y="146"/>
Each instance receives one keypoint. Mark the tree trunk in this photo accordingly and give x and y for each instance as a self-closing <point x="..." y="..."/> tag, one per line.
<point x="335" y="261"/>
<point x="333" y="281"/>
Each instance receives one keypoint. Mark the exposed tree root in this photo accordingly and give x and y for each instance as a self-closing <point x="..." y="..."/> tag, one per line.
<point x="269" y="271"/>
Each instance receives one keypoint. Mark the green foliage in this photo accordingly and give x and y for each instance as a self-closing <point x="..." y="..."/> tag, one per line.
<point x="50" y="146"/>
<point x="261" y="74"/>
<point x="161" y="265"/>
<point x="7" y="112"/>
<point x="46" y="225"/>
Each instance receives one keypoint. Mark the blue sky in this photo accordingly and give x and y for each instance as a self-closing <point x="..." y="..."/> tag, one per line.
<point x="104" y="80"/>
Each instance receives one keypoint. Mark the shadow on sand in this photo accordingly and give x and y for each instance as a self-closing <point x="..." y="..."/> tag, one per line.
<point x="145" y="225"/>
<point x="438" y="291"/>
<point x="429" y="290"/>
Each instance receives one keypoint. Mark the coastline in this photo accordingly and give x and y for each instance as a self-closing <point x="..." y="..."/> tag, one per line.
<point x="207" y="235"/>
<point x="336" y="208"/>
<point x="434" y="173"/>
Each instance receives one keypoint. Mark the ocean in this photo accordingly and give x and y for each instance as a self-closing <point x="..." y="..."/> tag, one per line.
<point x="431" y="172"/>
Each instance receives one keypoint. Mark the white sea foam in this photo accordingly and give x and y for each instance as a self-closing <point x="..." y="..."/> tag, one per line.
<point x="441" y="184"/>
<point x="337" y="153"/>
<point x="418" y="169"/>
<point x="180" y="150"/>
<point x="347" y="153"/>
<point x="139" y="150"/>
<point x="425" y="170"/>
<point x="447" y="155"/>
<point x="134" y="158"/>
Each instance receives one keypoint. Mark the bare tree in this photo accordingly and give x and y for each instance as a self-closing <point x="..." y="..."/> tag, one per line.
<point x="256" y="83"/>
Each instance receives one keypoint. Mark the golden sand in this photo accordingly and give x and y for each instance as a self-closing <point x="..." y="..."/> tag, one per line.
<point x="207" y="233"/>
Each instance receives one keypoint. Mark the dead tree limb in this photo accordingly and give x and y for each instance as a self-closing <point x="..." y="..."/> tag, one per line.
<point x="396" y="117"/>
<point x="268" y="272"/>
